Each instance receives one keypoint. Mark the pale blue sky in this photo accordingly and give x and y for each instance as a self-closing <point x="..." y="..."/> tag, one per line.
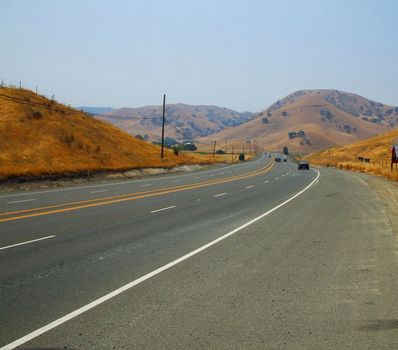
<point x="238" y="54"/>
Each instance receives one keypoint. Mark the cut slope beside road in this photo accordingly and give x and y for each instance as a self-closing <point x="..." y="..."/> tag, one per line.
<point x="39" y="137"/>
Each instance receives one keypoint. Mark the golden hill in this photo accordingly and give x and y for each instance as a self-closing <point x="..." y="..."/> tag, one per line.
<point x="324" y="117"/>
<point x="376" y="149"/>
<point x="39" y="136"/>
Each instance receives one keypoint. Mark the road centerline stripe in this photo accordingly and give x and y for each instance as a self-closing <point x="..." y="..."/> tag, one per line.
<point x="26" y="242"/>
<point x="44" y="329"/>
<point x="59" y="208"/>
<point x="167" y="208"/>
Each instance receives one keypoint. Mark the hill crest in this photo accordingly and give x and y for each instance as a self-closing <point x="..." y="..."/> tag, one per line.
<point x="311" y="120"/>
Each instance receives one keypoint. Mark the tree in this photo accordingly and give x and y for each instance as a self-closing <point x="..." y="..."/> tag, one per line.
<point x="285" y="150"/>
<point x="241" y="157"/>
<point x="190" y="147"/>
<point x="169" y="141"/>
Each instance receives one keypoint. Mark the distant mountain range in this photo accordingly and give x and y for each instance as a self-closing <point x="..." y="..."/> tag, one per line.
<point x="310" y="120"/>
<point x="183" y="122"/>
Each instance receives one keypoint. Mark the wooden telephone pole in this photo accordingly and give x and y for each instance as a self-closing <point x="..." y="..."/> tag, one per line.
<point x="163" y="121"/>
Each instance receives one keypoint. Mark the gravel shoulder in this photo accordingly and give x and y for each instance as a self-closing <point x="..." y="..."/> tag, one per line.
<point x="387" y="193"/>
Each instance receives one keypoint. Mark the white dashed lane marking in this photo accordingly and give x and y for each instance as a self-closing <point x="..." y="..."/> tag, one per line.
<point x="22" y="201"/>
<point x="220" y="194"/>
<point x="167" y="208"/>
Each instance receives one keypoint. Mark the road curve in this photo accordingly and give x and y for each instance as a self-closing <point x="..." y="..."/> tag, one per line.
<point x="268" y="262"/>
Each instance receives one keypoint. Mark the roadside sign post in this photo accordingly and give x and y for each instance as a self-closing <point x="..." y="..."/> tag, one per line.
<point x="394" y="155"/>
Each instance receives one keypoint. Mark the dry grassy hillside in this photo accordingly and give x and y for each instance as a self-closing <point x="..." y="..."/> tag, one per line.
<point x="184" y="122"/>
<point x="324" y="117"/>
<point x="41" y="137"/>
<point x="376" y="149"/>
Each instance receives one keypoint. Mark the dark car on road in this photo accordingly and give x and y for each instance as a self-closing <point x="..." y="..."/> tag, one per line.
<point x="278" y="159"/>
<point x="303" y="164"/>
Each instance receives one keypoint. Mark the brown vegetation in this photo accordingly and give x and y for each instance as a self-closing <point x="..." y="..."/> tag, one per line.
<point x="42" y="137"/>
<point x="327" y="117"/>
<point x="377" y="150"/>
<point x="184" y="122"/>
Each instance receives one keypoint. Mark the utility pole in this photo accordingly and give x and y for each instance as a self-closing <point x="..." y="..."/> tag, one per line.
<point x="232" y="154"/>
<point x="214" y="148"/>
<point x="163" y="120"/>
<point x="20" y="84"/>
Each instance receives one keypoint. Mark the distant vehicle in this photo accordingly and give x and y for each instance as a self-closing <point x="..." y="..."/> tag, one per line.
<point x="278" y="159"/>
<point x="303" y="164"/>
<point x="284" y="159"/>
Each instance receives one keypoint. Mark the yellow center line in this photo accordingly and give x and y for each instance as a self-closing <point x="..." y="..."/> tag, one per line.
<point x="122" y="198"/>
<point x="209" y="182"/>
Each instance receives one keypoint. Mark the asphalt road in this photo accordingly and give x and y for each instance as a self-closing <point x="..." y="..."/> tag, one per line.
<point x="318" y="271"/>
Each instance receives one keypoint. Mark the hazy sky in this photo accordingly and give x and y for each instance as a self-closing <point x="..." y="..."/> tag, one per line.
<point x="238" y="54"/>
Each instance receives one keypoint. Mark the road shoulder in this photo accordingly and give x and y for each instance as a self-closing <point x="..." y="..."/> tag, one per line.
<point x="387" y="194"/>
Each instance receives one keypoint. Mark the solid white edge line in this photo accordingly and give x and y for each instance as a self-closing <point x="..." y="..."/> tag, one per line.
<point x="128" y="286"/>
<point x="99" y="191"/>
<point x="22" y="201"/>
<point x="155" y="211"/>
<point x="27" y="242"/>
<point x="251" y="186"/>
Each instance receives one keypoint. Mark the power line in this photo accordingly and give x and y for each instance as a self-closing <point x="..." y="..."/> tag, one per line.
<point x="70" y="109"/>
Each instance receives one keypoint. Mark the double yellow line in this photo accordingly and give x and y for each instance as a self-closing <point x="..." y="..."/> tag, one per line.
<point x="61" y="208"/>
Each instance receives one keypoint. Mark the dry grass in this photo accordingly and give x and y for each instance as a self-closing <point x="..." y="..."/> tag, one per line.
<point x="303" y="114"/>
<point x="379" y="169"/>
<point x="37" y="141"/>
<point x="377" y="149"/>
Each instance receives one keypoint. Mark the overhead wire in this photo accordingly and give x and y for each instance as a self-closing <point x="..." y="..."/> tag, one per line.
<point x="70" y="109"/>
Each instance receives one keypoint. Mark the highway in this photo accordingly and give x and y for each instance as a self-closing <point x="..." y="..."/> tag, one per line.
<point x="252" y="255"/>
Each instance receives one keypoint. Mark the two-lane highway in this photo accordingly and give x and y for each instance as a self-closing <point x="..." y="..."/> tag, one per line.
<point x="71" y="246"/>
<point x="183" y="261"/>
